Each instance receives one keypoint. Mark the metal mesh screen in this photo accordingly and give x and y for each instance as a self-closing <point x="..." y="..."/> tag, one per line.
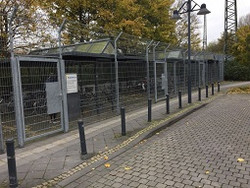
<point x="133" y="83"/>
<point x="96" y="86"/>
<point x="160" y="80"/>
<point x="7" y="111"/>
<point x="34" y="76"/>
<point x="180" y="76"/>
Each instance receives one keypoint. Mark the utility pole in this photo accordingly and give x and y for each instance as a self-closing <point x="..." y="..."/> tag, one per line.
<point x="204" y="46"/>
<point x="230" y="26"/>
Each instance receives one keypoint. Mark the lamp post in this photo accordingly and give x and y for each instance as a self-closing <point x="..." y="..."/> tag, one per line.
<point x="176" y="15"/>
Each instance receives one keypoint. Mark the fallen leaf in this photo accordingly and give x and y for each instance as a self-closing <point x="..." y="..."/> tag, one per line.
<point x="157" y="133"/>
<point x="127" y="168"/>
<point x="106" y="157"/>
<point x="240" y="160"/>
<point x="93" y="168"/>
<point x="107" y="165"/>
<point x="207" y="172"/>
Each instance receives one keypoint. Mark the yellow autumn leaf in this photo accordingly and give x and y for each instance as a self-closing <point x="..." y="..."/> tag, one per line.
<point x="107" y="165"/>
<point x="127" y="168"/>
<point x="240" y="160"/>
<point x="207" y="172"/>
<point x="106" y="157"/>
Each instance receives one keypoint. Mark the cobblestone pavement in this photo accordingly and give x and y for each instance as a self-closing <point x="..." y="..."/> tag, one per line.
<point x="209" y="148"/>
<point x="48" y="158"/>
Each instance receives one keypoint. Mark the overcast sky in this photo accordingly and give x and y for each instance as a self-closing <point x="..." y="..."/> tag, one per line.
<point x="215" y="20"/>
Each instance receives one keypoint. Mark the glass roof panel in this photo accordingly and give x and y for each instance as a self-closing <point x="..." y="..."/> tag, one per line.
<point x="83" y="47"/>
<point x="109" y="49"/>
<point x="174" y="54"/>
<point x="97" y="47"/>
<point x="68" y="48"/>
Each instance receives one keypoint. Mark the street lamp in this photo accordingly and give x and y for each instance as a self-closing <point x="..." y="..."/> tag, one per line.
<point x="176" y="15"/>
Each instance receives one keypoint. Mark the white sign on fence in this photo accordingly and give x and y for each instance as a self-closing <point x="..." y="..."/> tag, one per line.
<point x="72" y="86"/>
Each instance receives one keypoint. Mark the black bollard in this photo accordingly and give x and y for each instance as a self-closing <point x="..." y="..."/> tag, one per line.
<point x="206" y="91"/>
<point x="180" y="102"/>
<point x="82" y="137"/>
<point x="123" y="121"/>
<point x="199" y="94"/>
<point x="10" y="148"/>
<point x="212" y="88"/>
<point x="149" y="110"/>
<point x="218" y="86"/>
<point x="167" y="103"/>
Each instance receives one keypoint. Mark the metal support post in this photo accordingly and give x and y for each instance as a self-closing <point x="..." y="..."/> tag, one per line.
<point x="175" y="79"/>
<point x="117" y="76"/>
<point x="62" y="81"/>
<point x="149" y="110"/>
<point x="167" y="103"/>
<point x="123" y="121"/>
<point x="166" y="70"/>
<point x="189" y="52"/>
<point x="155" y="76"/>
<point x="180" y="100"/>
<point x="10" y="149"/>
<point x="212" y="88"/>
<point x="147" y="58"/>
<point x="206" y="91"/>
<point x="17" y="86"/>
<point x="199" y="94"/>
<point x="82" y="137"/>
<point x="1" y="137"/>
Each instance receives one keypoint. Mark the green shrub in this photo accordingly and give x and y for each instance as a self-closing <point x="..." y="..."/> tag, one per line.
<point x="237" y="72"/>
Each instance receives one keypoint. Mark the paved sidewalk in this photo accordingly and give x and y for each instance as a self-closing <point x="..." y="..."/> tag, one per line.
<point x="209" y="148"/>
<point x="41" y="161"/>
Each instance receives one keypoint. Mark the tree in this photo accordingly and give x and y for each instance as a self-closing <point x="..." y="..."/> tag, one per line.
<point x="216" y="46"/>
<point x="239" y="69"/>
<point x="182" y="29"/>
<point x="241" y="49"/>
<point x="244" y="20"/>
<point x="29" y="25"/>
<point x="144" y="18"/>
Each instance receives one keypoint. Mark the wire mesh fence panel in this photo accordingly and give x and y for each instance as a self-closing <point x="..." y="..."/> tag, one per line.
<point x="211" y="72"/>
<point x="180" y="76"/>
<point x="215" y="70"/>
<point x="201" y="74"/>
<point x="171" y="79"/>
<point x="96" y="87"/>
<point x="161" y="79"/>
<point x="133" y="83"/>
<point x="7" y="111"/>
<point x="35" y="75"/>
<point x="93" y="57"/>
<point x="193" y="74"/>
